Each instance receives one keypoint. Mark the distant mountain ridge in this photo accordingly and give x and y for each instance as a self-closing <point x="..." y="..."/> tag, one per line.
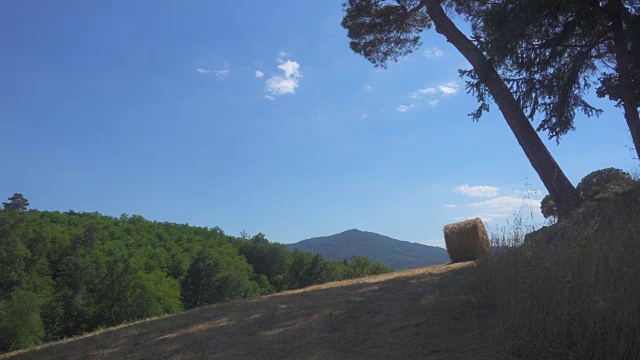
<point x="391" y="252"/>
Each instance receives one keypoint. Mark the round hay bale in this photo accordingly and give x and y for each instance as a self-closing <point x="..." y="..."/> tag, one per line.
<point x="466" y="240"/>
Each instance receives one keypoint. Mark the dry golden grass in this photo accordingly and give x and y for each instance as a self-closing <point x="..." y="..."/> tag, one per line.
<point x="574" y="292"/>
<point x="426" y="313"/>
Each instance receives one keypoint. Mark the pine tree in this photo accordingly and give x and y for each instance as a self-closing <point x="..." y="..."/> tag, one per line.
<point x="552" y="51"/>
<point x="386" y="30"/>
<point x="17" y="203"/>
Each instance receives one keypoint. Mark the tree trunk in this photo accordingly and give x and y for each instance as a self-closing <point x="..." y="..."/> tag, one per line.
<point x="624" y="74"/>
<point x="562" y="191"/>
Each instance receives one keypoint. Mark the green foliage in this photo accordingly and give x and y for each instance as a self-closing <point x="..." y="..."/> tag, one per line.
<point x="20" y="322"/>
<point x="548" y="207"/>
<point x="268" y="259"/>
<point x="13" y="260"/>
<point x="262" y="286"/>
<point x="361" y="266"/>
<point x="609" y="85"/>
<point x="307" y="269"/>
<point x="199" y="286"/>
<point x="64" y="274"/>
<point x="602" y="181"/>
<point x="595" y="184"/>
<point x="551" y="52"/>
<point x="523" y="40"/>
<point x="374" y="30"/>
<point x="208" y="281"/>
<point x="16" y="203"/>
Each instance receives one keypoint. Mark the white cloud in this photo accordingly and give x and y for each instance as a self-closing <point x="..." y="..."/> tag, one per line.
<point x="503" y="207"/>
<point x="433" y="52"/>
<point x="218" y="73"/>
<point x="283" y="54"/>
<point x="259" y="74"/>
<point x="405" y="108"/>
<point x="451" y="206"/>
<point x="279" y="85"/>
<point x="426" y="95"/>
<point x="268" y="97"/>
<point x="368" y="88"/>
<point x="290" y="68"/>
<point x="420" y="92"/>
<point x="221" y="73"/>
<point x="449" y="88"/>
<point x="287" y="84"/>
<point x="477" y="191"/>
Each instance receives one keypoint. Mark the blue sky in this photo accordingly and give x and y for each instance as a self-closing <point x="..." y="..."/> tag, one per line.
<point x="257" y="117"/>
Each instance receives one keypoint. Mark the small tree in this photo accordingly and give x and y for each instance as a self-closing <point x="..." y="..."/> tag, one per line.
<point x="199" y="286"/>
<point x="601" y="182"/>
<point x="595" y="184"/>
<point x="17" y="202"/>
<point x="548" y="207"/>
<point x="269" y="259"/>
<point x="208" y="281"/>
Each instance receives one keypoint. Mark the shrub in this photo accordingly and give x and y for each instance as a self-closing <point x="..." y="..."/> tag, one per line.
<point x="596" y="184"/>
<point x="601" y="182"/>
<point x="548" y="207"/>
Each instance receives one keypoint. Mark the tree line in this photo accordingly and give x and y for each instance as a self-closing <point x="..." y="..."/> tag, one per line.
<point x="68" y="273"/>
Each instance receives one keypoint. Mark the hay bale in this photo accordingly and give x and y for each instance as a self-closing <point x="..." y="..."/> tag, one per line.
<point x="466" y="240"/>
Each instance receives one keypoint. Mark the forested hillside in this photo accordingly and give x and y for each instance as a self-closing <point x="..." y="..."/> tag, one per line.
<point x="63" y="274"/>
<point x="391" y="252"/>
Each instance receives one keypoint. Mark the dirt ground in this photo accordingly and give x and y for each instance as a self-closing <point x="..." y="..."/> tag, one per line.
<point x="425" y="313"/>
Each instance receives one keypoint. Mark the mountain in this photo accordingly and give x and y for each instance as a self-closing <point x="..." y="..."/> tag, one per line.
<point x="391" y="252"/>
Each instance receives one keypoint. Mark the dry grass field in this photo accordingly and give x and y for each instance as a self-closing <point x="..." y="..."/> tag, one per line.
<point x="425" y="313"/>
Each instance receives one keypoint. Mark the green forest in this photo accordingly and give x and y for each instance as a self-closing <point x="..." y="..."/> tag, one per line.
<point x="68" y="273"/>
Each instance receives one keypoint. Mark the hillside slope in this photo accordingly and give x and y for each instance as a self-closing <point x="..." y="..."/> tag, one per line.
<point x="424" y="313"/>
<point x="391" y="252"/>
